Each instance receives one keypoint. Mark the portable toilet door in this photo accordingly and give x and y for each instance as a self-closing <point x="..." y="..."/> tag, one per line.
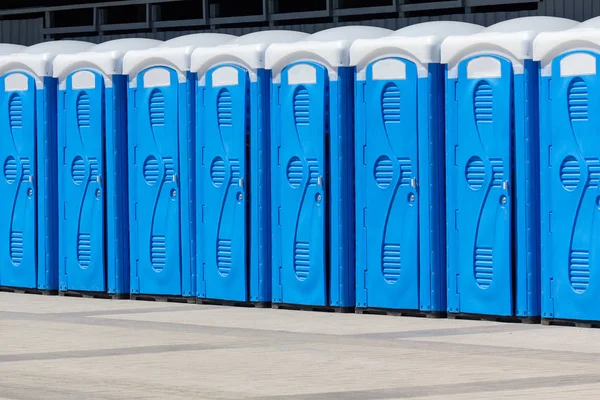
<point x="312" y="168"/>
<point x="570" y="171"/>
<point x="161" y="165"/>
<point x="399" y="157"/>
<point x="232" y="126"/>
<point x="92" y="175"/>
<point x="492" y="183"/>
<point x="28" y="152"/>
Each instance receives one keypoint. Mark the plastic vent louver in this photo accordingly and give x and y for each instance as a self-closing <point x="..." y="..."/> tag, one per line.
<point x="475" y="173"/>
<point x="302" y="260"/>
<point x="579" y="270"/>
<point x="224" y="108"/>
<point x="391" y="263"/>
<point x="301" y="106"/>
<point x="224" y="260"/>
<point x="570" y="173"/>
<point x="483" y="103"/>
<point x="484" y="267"/>
<point x="158" y="252"/>
<point x="578" y="98"/>
<point x="16" y="247"/>
<point x="15" y="112"/>
<point x="84" y="249"/>
<point x="390" y="104"/>
<point x="157" y="109"/>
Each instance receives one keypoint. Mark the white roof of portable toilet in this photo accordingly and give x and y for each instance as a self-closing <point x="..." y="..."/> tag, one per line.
<point x="418" y="43"/>
<point x="512" y="39"/>
<point x="330" y="47"/>
<point x="175" y="53"/>
<point x="248" y="51"/>
<point x="585" y="36"/>
<point x="37" y="60"/>
<point x="105" y="57"/>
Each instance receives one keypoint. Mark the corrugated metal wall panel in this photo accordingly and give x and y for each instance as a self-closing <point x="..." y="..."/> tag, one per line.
<point x="22" y="31"/>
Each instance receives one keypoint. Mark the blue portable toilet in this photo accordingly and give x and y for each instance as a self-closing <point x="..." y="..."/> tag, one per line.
<point x="161" y="166"/>
<point x="28" y="220"/>
<point x="312" y="168"/>
<point x="232" y="169"/>
<point x="399" y="157"/>
<point x="92" y="170"/>
<point x="492" y="169"/>
<point x="570" y="172"/>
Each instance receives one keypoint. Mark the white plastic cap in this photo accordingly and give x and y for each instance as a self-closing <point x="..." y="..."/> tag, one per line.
<point x="175" y="53"/>
<point x="105" y="57"/>
<point x="330" y="48"/>
<point x="248" y="51"/>
<point x="419" y="43"/>
<point x="37" y="60"/>
<point x="512" y="39"/>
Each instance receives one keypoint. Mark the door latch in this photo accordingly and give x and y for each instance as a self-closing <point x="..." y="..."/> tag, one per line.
<point x="241" y="182"/>
<point x="99" y="179"/>
<point x="505" y="185"/>
<point x="174" y="178"/>
<point x="320" y="181"/>
<point x="30" y="179"/>
<point x="413" y="182"/>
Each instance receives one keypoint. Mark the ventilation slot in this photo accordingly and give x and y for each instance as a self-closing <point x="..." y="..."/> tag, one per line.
<point x="484" y="267"/>
<point x="78" y="170"/>
<point x="217" y="172"/>
<point x="483" y="103"/>
<point x="579" y="270"/>
<point x="93" y="168"/>
<point x="151" y="170"/>
<point x="235" y="171"/>
<point x="16" y="247"/>
<point x="301" y="106"/>
<point x="390" y="104"/>
<point x="405" y="171"/>
<point x="224" y="256"/>
<point x="578" y="100"/>
<point x="475" y="173"/>
<point x="84" y="249"/>
<point x="384" y="172"/>
<point x="10" y="169"/>
<point x="391" y="262"/>
<point x="497" y="172"/>
<point x="570" y="173"/>
<point x="158" y="252"/>
<point x="302" y="260"/>
<point x="83" y="110"/>
<point x="157" y="109"/>
<point x="295" y="172"/>
<point x="224" y="108"/>
<point x="15" y="112"/>
<point x="169" y="168"/>
<point x="313" y="172"/>
<point x="593" y="171"/>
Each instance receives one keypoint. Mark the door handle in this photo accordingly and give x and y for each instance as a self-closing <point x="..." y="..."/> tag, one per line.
<point x="505" y="185"/>
<point x="174" y="179"/>
<point x="99" y="180"/>
<point x="320" y="181"/>
<point x="30" y="179"/>
<point x="241" y="182"/>
<point x="413" y="182"/>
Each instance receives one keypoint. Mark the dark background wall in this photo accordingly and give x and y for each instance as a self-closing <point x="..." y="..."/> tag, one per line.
<point x="28" y="22"/>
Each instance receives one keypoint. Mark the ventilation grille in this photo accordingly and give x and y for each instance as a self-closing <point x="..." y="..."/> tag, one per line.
<point x="217" y="172"/>
<point x="302" y="260"/>
<point x="169" y="168"/>
<point x="301" y="106"/>
<point x="224" y="256"/>
<point x="158" y="252"/>
<point x="391" y="262"/>
<point x="78" y="170"/>
<point x="593" y="171"/>
<point x="93" y="168"/>
<point x="390" y="104"/>
<point x="313" y="172"/>
<point x="10" y="169"/>
<point x="384" y="172"/>
<point x="151" y="170"/>
<point x="83" y="110"/>
<point x="405" y="171"/>
<point x="15" y="112"/>
<point x="84" y="249"/>
<point x="497" y="172"/>
<point x="157" y="109"/>
<point x="570" y="173"/>
<point x="483" y="101"/>
<point x="578" y="100"/>
<point x="484" y="267"/>
<point x="475" y="173"/>
<point x="579" y="270"/>
<point x="224" y="108"/>
<point x="295" y="172"/>
<point x="235" y="170"/>
<point x="16" y="247"/>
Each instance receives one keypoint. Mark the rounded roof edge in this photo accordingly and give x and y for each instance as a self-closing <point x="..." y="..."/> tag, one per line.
<point x="125" y="45"/>
<point x="351" y="33"/>
<point x="590" y="23"/>
<point x="269" y="36"/>
<point x="9" y="48"/>
<point x="58" y="47"/>
<point x="439" y="28"/>
<point x="535" y="24"/>
<point x="198" y="40"/>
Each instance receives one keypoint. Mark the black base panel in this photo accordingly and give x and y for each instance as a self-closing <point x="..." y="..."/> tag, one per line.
<point x="230" y="303"/>
<point x="570" y="322"/>
<point x="94" y="295"/>
<point x="163" y="299"/>
<point x="300" y="307"/>
<point x="9" y="289"/>
<point x="401" y="313"/>
<point x="495" y="318"/>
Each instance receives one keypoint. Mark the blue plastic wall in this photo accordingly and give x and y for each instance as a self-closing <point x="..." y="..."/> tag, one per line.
<point x="161" y="186"/>
<point x="400" y="191"/>
<point x="232" y="188"/>
<point x="93" y="221"/>
<point x="493" y="192"/>
<point x="570" y="200"/>
<point x="312" y="152"/>
<point x="28" y="256"/>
